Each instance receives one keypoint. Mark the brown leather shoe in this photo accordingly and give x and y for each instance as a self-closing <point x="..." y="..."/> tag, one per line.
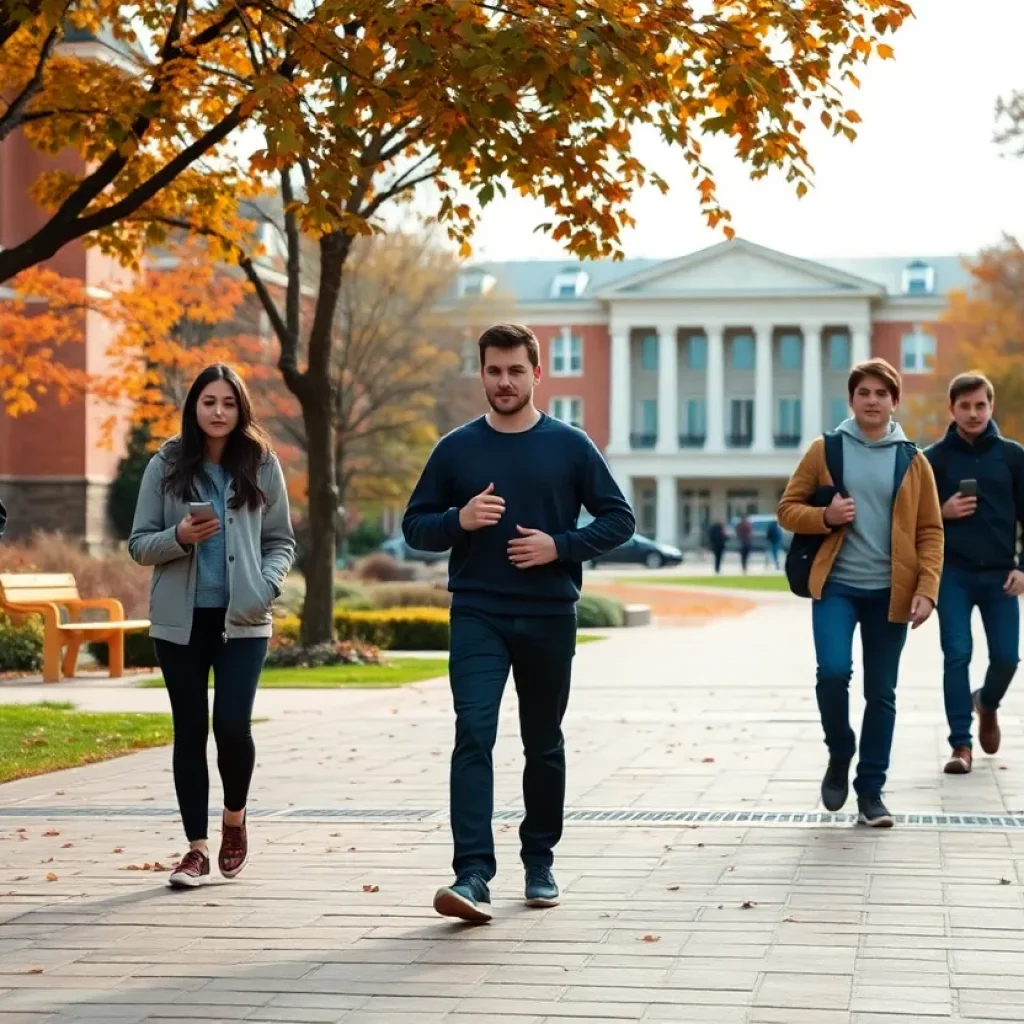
<point x="989" y="734"/>
<point x="959" y="762"/>
<point x="234" y="849"/>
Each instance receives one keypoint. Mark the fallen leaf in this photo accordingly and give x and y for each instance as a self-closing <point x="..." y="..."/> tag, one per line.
<point x="700" y="845"/>
<point x="21" y="830"/>
<point x="791" y="920"/>
<point x="371" y="888"/>
<point x="651" y="938"/>
<point x="51" y="832"/>
<point x="51" y="877"/>
<point x="67" y="846"/>
<point x="673" y="888"/>
<point x="49" y="860"/>
<point x="708" y="760"/>
<point x="1004" y="881"/>
<point x="118" y="849"/>
<point x="34" y="970"/>
<point x="21" y="878"/>
<point x="60" y="792"/>
<point x="748" y="904"/>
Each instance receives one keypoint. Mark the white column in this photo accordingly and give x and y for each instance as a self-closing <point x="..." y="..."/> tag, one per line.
<point x="715" y="395"/>
<point x="668" y="390"/>
<point x="810" y="400"/>
<point x="667" y="527"/>
<point x="763" y="439"/>
<point x="621" y="392"/>
<point x="860" y="343"/>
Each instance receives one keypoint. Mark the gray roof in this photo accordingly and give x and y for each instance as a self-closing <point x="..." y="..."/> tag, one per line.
<point x="529" y="281"/>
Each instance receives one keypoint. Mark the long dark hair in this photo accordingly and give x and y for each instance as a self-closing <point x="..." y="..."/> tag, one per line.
<point x="247" y="448"/>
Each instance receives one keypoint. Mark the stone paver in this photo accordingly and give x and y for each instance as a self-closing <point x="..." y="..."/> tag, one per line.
<point x="728" y="922"/>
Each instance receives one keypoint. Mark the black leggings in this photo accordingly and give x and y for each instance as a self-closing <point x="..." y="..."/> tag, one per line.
<point x="236" y="668"/>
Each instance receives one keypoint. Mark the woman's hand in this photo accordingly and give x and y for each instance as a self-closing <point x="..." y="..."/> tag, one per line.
<point x="189" y="531"/>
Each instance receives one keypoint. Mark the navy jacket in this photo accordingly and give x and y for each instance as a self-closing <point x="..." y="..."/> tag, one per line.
<point x="546" y="475"/>
<point x="986" y="540"/>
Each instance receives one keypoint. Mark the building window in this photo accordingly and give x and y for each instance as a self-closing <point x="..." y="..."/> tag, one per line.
<point x="743" y="353"/>
<point x="567" y="355"/>
<point x="646" y="511"/>
<point x="790" y="352"/>
<point x="474" y="283"/>
<point x="568" y="410"/>
<point x="470" y="358"/>
<point x="788" y="425"/>
<point x="741" y="422"/>
<point x="917" y="350"/>
<point x="649" y="416"/>
<point x="839" y="352"/>
<point x="740" y="502"/>
<point x="649" y="352"/>
<point x="569" y="284"/>
<point x="696" y="421"/>
<point x="918" y="279"/>
<point x="838" y="410"/>
<point x="697" y="352"/>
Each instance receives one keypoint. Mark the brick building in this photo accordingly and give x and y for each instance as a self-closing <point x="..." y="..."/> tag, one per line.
<point x="702" y="378"/>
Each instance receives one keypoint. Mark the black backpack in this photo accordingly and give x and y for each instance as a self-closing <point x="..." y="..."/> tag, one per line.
<point x="804" y="547"/>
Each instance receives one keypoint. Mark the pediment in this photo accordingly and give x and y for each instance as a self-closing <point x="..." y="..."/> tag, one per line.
<point x="739" y="268"/>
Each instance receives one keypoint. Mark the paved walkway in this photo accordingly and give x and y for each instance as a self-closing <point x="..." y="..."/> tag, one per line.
<point x="670" y="914"/>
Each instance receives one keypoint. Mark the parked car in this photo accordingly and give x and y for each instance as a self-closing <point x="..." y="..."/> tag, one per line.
<point x="397" y="548"/>
<point x="760" y="524"/>
<point x="639" y="550"/>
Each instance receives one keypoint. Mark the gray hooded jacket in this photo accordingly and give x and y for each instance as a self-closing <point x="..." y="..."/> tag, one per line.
<point x="869" y="474"/>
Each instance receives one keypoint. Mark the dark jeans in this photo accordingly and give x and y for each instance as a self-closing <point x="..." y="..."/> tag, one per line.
<point x="745" y="557"/>
<point x="772" y="552"/>
<point x="959" y="594"/>
<point x="840" y="609"/>
<point x="236" y="666"/>
<point x="718" y="552"/>
<point x="539" y="650"/>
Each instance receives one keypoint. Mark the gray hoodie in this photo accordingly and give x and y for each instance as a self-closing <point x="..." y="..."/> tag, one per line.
<point x="869" y="473"/>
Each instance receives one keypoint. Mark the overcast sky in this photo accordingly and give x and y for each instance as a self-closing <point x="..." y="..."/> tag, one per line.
<point x="922" y="178"/>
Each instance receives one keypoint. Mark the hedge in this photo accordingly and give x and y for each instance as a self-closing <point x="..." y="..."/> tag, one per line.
<point x="21" y="647"/>
<point x="596" y="611"/>
<point x="139" y="651"/>
<point x="395" y="629"/>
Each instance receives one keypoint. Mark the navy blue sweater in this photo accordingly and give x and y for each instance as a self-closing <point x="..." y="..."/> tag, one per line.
<point x="546" y="475"/>
<point x="986" y="540"/>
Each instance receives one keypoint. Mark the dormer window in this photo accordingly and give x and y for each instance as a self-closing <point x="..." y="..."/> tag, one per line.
<point x="474" y="283"/>
<point x="918" y="279"/>
<point x="569" y="284"/>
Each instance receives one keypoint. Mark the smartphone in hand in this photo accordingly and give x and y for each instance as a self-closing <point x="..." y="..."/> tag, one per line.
<point x="968" y="488"/>
<point x="201" y="511"/>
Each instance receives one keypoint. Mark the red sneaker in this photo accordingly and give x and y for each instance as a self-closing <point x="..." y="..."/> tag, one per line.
<point x="193" y="869"/>
<point x="234" y="849"/>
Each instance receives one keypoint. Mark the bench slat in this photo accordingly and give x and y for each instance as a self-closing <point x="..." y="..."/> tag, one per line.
<point x="92" y="627"/>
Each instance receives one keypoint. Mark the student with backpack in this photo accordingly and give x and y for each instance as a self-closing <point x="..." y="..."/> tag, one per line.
<point x="870" y="495"/>
<point x="980" y="479"/>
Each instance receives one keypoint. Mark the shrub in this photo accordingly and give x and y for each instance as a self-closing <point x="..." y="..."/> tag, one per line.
<point x="351" y="595"/>
<point x="397" y="629"/>
<point x="366" y="537"/>
<point x="286" y="630"/>
<point x="139" y="651"/>
<point x="408" y="595"/>
<point x="596" y="610"/>
<point x="382" y="568"/>
<point x="21" y="647"/>
<point x="286" y="654"/>
<point x="124" y="490"/>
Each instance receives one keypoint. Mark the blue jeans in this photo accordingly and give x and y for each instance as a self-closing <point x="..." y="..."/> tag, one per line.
<point x="840" y="609"/>
<point x="961" y="591"/>
<point x="539" y="650"/>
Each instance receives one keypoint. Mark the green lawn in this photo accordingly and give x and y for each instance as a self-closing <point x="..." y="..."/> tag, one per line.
<point x="38" y="738"/>
<point x="735" y="582"/>
<point x="589" y="638"/>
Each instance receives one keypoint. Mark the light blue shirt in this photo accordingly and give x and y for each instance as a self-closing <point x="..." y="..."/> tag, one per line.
<point x="211" y="565"/>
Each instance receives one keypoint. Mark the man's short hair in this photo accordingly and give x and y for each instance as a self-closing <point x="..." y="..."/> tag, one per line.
<point x="964" y="383"/>
<point x="509" y="336"/>
<point x="882" y="370"/>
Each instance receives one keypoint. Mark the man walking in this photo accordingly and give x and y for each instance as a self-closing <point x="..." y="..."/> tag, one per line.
<point x="745" y="540"/>
<point x="878" y="566"/>
<point x="504" y="492"/>
<point x="980" y="478"/>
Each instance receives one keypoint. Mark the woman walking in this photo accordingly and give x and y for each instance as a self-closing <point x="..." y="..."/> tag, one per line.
<point x="212" y="519"/>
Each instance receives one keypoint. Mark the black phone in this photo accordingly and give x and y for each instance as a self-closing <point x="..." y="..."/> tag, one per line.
<point x="968" y="488"/>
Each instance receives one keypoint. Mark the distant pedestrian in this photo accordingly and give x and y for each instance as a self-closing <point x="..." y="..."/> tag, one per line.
<point x="504" y="492"/>
<point x="716" y="541"/>
<point x="980" y="478"/>
<point x="212" y="519"/>
<point x="745" y="540"/>
<point x="878" y="567"/>
<point x="773" y="543"/>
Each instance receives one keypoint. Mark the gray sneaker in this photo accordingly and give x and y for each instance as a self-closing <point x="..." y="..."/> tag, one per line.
<point x="541" y="888"/>
<point x="873" y="812"/>
<point x="467" y="898"/>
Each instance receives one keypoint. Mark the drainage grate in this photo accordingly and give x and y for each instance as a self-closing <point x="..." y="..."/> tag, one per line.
<point x="582" y="816"/>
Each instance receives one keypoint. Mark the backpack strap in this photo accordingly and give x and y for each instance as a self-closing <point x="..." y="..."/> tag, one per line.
<point x="834" y="459"/>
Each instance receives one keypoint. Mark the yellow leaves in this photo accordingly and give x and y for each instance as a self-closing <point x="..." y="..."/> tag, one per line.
<point x="885" y="51"/>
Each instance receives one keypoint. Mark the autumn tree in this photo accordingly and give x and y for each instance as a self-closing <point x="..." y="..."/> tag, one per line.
<point x="360" y="102"/>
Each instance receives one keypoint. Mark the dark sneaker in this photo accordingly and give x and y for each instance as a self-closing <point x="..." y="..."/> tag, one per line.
<point x="234" y="849"/>
<point x="835" y="787"/>
<point x="959" y="762"/>
<point x="468" y="899"/>
<point x="873" y="812"/>
<point x="541" y="888"/>
<point x="989" y="734"/>
<point x="192" y="870"/>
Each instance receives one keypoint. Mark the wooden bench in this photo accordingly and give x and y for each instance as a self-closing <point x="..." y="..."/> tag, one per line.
<point x="47" y="595"/>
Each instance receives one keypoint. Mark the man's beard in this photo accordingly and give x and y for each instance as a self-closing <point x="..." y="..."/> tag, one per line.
<point x="510" y="410"/>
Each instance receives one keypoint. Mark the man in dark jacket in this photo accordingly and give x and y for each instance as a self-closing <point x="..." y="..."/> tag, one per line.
<point x="980" y="478"/>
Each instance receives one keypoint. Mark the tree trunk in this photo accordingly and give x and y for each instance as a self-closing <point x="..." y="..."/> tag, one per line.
<point x="318" y="606"/>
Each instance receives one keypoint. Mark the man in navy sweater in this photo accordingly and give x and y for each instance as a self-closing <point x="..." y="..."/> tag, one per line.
<point x="504" y="492"/>
<point x="980" y="478"/>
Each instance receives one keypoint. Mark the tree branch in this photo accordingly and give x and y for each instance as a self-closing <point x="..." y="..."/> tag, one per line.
<point x="400" y="186"/>
<point x="14" y="115"/>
